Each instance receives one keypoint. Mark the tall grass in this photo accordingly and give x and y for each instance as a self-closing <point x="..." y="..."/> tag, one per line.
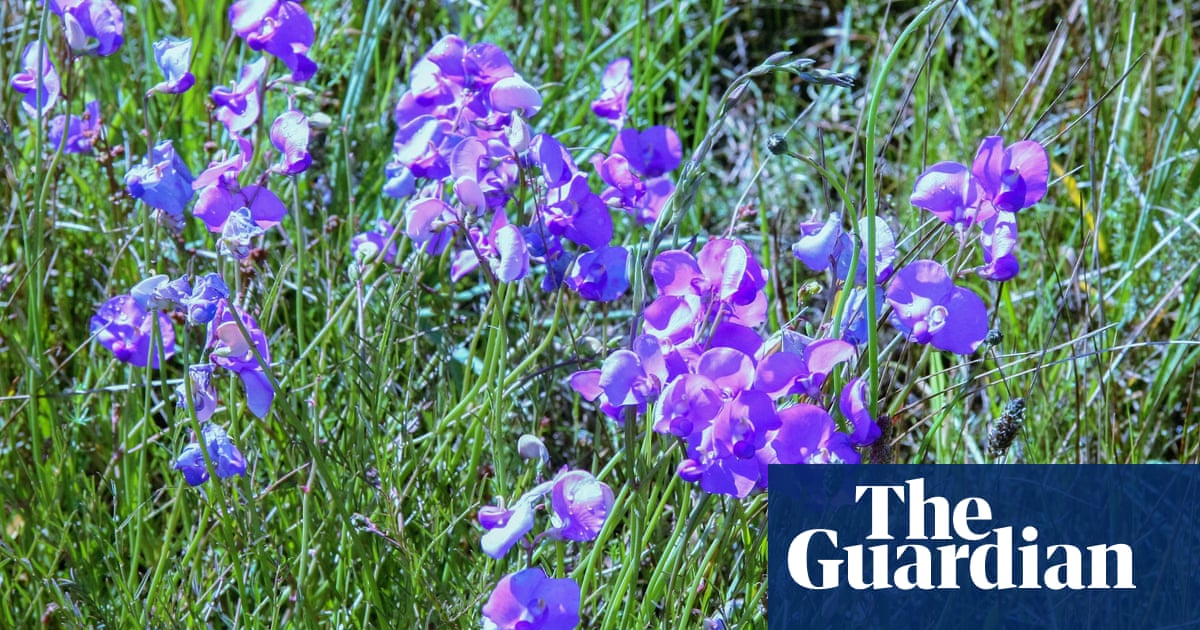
<point x="402" y="395"/>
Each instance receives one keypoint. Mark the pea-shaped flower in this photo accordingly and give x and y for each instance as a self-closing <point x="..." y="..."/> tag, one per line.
<point x="227" y="460"/>
<point x="530" y="600"/>
<point x="929" y="308"/>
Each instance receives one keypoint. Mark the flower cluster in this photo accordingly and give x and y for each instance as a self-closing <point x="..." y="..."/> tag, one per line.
<point x="579" y="505"/>
<point x="737" y="403"/>
<point x="462" y="149"/>
<point x="1001" y="182"/>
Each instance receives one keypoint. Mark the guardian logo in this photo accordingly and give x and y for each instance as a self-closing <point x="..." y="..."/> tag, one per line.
<point x="988" y="546"/>
<point x="986" y="557"/>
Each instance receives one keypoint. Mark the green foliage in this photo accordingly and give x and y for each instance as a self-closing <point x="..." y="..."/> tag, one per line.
<point x="403" y="395"/>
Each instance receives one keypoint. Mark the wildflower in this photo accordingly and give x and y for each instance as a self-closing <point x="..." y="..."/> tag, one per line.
<point x="929" y="308"/>
<point x="220" y="195"/>
<point x="529" y="600"/>
<point x="163" y="182"/>
<point x="808" y="435"/>
<point x="1001" y="178"/>
<point x="853" y="404"/>
<point x="126" y="329"/>
<point x="205" y="298"/>
<point x="204" y="395"/>
<point x="368" y="245"/>
<point x="513" y="93"/>
<point x="37" y="80"/>
<point x="999" y="244"/>
<point x="238" y="233"/>
<point x="280" y="28"/>
<point x="616" y="84"/>
<point x="822" y="245"/>
<point x="238" y="107"/>
<point x="530" y="447"/>
<point x="580" y="504"/>
<point x="1012" y="178"/>
<point x="91" y="26"/>
<point x="506" y="527"/>
<point x="159" y="292"/>
<point x="80" y="132"/>
<point x="173" y="56"/>
<point x="652" y="152"/>
<point x="227" y="460"/>
<point x="600" y="275"/>
<point x="289" y="134"/>
<point x="232" y="350"/>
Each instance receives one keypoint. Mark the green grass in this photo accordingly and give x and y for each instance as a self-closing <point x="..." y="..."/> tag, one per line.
<point x="402" y="395"/>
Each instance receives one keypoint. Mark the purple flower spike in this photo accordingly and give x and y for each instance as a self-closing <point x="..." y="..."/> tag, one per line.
<point x="174" y="58"/>
<point x="929" y="308"/>
<point x="227" y="460"/>
<point x="529" y="600"/>
<point x="600" y="275"/>
<point x="92" y="26"/>
<point x="37" y="80"/>
<point x="1013" y="178"/>
<point x="234" y="352"/>
<point x="204" y="395"/>
<point x="948" y="190"/>
<point x="581" y="504"/>
<point x="999" y="244"/>
<point x="616" y="84"/>
<point x="81" y="132"/>
<point x="163" y="182"/>
<point x="126" y="329"/>
<point x="289" y="134"/>
<point x="280" y="28"/>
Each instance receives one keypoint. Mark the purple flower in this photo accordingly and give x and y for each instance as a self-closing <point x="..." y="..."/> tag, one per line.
<point x="207" y="295"/>
<point x="174" y="57"/>
<point x="529" y="446"/>
<point x="81" y="133"/>
<point x="948" y="190"/>
<point x="653" y="152"/>
<point x="808" y="435"/>
<point x="238" y="233"/>
<point x="929" y="308"/>
<point x="506" y="527"/>
<point x="234" y="352"/>
<point x="37" y="80"/>
<point x="529" y="600"/>
<point x="368" y="245"/>
<point x="600" y="275"/>
<point x="627" y="377"/>
<point x="281" y="28"/>
<point x="1012" y="178"/>
<point x="999" y="244"/>
<point x="227" y="460"/>
<point x="430" y="222"/>
<point x="204" y="395"/>
<point x="513" y="93"/>
<point x="786" y="373"/>
<point x="238" y="107"/>
<point x="126" y="329"/>
<point x="160" y="292"/>
<point x="162" y="181"/>
<point x="289" y="134"/>
<point x="616" y="85"/>
<point x="824" y="244"/>
<point x="577" y="214"/>
<point x="853" y="403"/>
<point x="1000" y="179"/>
<point x="92" y="26"/>
<point x="580" y="504"/>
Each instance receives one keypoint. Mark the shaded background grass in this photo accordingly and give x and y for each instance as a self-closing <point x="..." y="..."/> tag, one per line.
<point x="396" y="424"/>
